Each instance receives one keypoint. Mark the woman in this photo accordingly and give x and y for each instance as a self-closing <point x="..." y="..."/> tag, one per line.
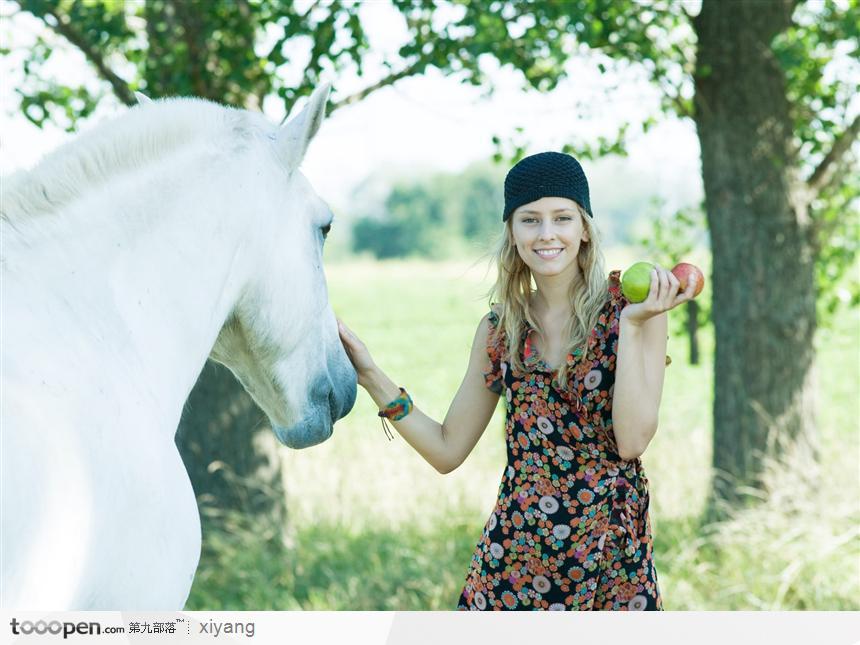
<point x="581" y="370"/>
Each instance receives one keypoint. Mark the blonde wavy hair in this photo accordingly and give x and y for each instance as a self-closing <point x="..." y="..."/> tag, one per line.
<point x="513" y="288"/>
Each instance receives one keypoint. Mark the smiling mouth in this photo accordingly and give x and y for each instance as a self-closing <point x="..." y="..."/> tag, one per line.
<point x="549" y="253"/>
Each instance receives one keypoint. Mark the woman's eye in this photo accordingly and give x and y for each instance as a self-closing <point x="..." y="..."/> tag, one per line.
<point x="565" y="218"/>
<point x="325" y="230"/>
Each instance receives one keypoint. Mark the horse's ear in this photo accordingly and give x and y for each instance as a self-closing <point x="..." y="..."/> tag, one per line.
<point x="142" y="99"/>
<point x="295" y="135"/>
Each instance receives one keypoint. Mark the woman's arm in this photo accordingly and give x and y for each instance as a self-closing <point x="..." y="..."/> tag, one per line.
<point x="640" y="368"/>
<point x="640" y="363"/>
<point x="445" y="446"/>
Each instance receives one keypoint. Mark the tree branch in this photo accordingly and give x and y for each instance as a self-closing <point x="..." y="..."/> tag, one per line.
<point x="673" y="93"/>
<point x="822" y="230"/>
<point x="824" y="174"/>
<point x="409" y="70"/>
<point x="300" y="20"/>
<point x="63" y="27"/>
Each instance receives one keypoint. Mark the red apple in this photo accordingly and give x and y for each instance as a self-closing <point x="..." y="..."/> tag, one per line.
<point x="683" y="271"/>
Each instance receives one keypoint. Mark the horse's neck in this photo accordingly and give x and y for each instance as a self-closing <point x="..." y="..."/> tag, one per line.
<point x="153" y="288"/>
<point x="174" y="288"/>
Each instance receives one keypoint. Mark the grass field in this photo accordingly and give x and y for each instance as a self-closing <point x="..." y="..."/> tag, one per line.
<point x="373" y="526"/>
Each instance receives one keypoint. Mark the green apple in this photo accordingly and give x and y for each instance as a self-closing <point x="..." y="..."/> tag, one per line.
<point x="636" y="281"/>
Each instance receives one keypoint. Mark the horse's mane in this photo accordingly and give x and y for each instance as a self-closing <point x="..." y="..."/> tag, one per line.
<point x="142" y="135"/>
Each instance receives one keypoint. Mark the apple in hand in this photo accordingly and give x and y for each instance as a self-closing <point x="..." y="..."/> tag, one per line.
<point x="683" y="271"/>
<point x="636" y="281"/>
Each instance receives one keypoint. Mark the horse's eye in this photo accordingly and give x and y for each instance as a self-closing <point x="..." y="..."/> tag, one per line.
<point x="325" y="229"/>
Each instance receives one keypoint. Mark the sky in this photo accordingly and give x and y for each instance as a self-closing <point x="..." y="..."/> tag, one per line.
<point x="421" y="124"/>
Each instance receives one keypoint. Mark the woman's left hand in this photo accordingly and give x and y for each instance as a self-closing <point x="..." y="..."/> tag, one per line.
<point x="663" y="295"/>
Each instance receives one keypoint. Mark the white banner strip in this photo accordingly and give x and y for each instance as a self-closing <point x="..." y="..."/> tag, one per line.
<point x="432" y="628"/>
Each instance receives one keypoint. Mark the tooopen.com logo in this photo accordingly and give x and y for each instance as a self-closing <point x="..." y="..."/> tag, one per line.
<point x="55" y="628"/>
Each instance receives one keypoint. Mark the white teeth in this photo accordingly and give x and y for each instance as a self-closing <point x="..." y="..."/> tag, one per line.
<point x="548" y="253"/>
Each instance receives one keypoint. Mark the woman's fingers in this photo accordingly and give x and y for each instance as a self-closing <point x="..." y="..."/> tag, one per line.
<point x="665" y="291"/>
<point x="345" y="331"/>
<point x="687" y="294"/>
<point x="673" y="285"/>
<point x="691" y="285"/>
<point x="346" y="335"/>
<point x="355" y="348"/>
<point x="654" y="289"/>
<point x="664" y="285"/>
<point x="659" y="292"/>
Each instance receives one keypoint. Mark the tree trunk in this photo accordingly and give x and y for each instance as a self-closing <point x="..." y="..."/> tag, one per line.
<point x="763" y="281"/>
<point x="693" y="330"/>
<point x="230" y="452"/>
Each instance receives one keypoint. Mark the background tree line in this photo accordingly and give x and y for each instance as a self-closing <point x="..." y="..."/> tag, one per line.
<point x="435" y="216"/>
<point x="450" y="215"/>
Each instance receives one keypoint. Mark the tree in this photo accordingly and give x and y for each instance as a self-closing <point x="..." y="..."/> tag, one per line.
<point x="775" y="136"/>
<point x="774" y="129"/>
<point x="763" y="233"/>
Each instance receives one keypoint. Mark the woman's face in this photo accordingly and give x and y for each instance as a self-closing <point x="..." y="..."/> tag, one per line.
<point x="547" y="234"/>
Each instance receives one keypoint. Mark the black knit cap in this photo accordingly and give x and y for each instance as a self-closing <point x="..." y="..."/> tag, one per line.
<point x="546" y="174"/>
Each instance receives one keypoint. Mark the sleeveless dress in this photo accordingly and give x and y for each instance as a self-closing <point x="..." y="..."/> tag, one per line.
<point x="570" y="530"/>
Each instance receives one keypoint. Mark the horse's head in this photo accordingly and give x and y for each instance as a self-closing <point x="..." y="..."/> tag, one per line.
<point x="281" y="340"/>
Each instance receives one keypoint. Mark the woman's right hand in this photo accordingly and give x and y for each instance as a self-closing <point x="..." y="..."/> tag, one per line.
<point x="444" y="447"/>
<point x="357" y="352"/>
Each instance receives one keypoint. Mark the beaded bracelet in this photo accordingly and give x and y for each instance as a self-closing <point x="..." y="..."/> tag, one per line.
<point x="396" y="410"/>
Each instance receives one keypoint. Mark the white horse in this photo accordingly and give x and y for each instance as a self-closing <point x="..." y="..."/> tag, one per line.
<point x="179" y="231"/>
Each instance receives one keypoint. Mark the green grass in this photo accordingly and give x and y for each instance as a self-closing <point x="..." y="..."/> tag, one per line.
<point x="373" y="526"/>
<point x="335" y="566"/>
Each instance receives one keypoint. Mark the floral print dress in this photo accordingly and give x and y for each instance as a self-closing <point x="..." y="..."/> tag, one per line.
<point x="570" y="530"/>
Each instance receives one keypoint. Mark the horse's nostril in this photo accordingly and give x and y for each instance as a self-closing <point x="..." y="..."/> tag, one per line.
<point x="332" y="406"/>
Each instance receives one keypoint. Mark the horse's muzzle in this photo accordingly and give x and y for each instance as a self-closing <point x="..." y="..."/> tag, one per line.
<point x="327" y="405"/>
<point x="304" y="434"/>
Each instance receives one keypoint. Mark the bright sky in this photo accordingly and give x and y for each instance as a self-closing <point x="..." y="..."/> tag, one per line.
<point x="420" y="124"/>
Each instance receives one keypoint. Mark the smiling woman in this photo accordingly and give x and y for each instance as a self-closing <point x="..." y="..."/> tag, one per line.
<point x="570" y="529"/>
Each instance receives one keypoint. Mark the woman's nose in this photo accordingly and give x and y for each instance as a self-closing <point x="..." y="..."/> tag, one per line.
<point x="547" y="232"/>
